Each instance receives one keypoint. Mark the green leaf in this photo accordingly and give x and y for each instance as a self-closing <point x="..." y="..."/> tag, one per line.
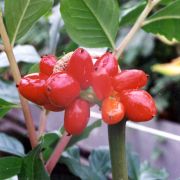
<point x="166" y="2"/>
<point x="5" y="107"/>
<point x="20" y="15"/>
<point x="34" y="68"/>
<point x="99" y="160"/>
<point x="50" y="139"/>
<point x="130" y="15"/>
<point x="11" y="145"/>
<point x="71" y="158"/>
<point x="149" y="173"/>
<point x="91" y="23"/>
<point x="32" y="167"/>
<point x="9" y="166"/>
<point x="133" y="164"/>
<point x="165" y="22"/>
<point x="85" y="133"/>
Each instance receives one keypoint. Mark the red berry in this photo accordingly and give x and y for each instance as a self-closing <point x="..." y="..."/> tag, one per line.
<point x="107" y="62"/>
<point x="139" y="105"/>
<point x="80" y="67"/>
<point x="47" y="64"/>
<point x="129" y="79"/>
<point x="76" y="117"/>
<point x="32" y="87"/>
<point x="112" y="110"/>
<point x="53" y="108"/>
<point x="62" y="89"/>
<point x="101" y="84"/>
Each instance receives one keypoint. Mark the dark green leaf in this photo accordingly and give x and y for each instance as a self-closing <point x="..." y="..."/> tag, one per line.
<point x="50" y="139"/>
<point x="130" y="15"/>
<point x="85" y="134"/>
<point x="99" y="160"/>
<point x="11" y="145"/>
<point x="4" y="111"/>
<point x="32" y="167"/>
<point x="34" y="68"/>
<point x="5" y="107"/>
<point x="91" y="23"/>
<point x="9" y="166"/>
<point x="166" y="2"/>
<point x="4" y="103"/>
<point x="20" y="15"/>
<point x="165" y="22"/>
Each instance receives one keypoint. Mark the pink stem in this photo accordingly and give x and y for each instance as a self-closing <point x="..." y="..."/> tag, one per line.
<point x="57" y="152"/>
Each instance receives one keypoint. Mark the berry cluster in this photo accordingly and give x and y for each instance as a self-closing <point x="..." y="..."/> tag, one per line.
<point x="61" y="88"/>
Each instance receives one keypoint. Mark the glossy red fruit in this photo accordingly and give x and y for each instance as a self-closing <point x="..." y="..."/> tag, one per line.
<point x="47" y="64"/>
<point x="139" y="105"/>
<point x="112" y="110"/>
<point x="129" y="79"/>
<point x="62" y="89"/>
<point x="107" y="62"/>
<point x="32" y="87"/>
<point x="51" y="107"/>
<point x="101" y="84"/>
<point x="76" y="117"/>
<point x="80" y="67"/>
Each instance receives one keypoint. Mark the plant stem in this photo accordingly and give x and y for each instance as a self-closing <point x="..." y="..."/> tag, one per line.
<point x="118" y="150"/>
<point x="57" y="152"/>
<point x="150" y="5"/>
<point x="1" y="47"/>
<point x="117" y="132"/>
<point x="16" y="75"/>
<point x="43" y="122"/>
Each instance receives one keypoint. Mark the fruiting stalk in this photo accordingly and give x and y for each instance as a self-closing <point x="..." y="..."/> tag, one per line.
<point x="17" y="76"/>
<point x="61" y="145"/>
<point x="118" y="150"/>
<point x="120" y="49"/>
<point x="116" y="133"/>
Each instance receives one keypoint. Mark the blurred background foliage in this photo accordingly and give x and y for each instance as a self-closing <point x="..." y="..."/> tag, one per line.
<point x="146" y="52"/>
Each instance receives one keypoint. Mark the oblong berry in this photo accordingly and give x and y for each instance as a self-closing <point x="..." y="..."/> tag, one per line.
<point x="101" y="84"/>
<point x="112" y="110"/>
<point x="108" y="62"/>
<point x="32" y="87"/>
<point x="47" y="64"/>
<point x="51" y="107"/>
<point x="62" y="89"/>
<point x="129" y="79"/>
<point x="139" y="105"/>
<point x="76" y="117"/>
<point x="80" y="67"/>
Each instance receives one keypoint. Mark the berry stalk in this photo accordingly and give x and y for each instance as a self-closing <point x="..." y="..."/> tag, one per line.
<point x="42" y="122"/>
<point x="1" y="47"/>
<point x="138" y="24"/>
<point x="17" y="76"/>
<point x="64" y="140"/>
<point x="118" y="150"/>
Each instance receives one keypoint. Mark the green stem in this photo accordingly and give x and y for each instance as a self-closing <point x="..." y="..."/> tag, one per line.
<point x="137" y="25"/>
<point x="118" y="150"/>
